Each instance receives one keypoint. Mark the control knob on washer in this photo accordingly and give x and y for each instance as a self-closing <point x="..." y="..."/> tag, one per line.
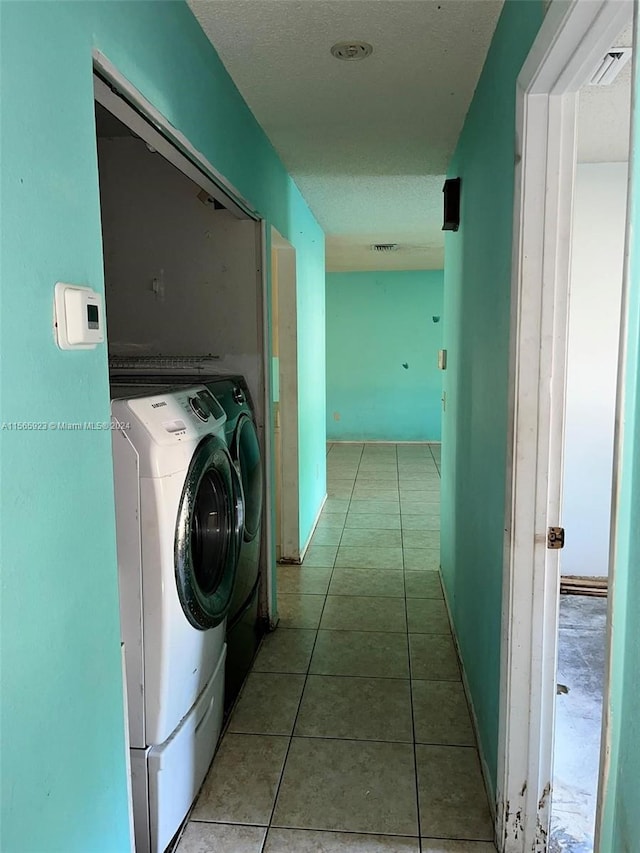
<point x="198" y="409"/>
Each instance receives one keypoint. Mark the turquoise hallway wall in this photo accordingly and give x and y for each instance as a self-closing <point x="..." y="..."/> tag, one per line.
<point x="619" y="830"/>
<point x="376" y="323"/>
<point x="63" y="748"/>
<point x="476" y="335"/>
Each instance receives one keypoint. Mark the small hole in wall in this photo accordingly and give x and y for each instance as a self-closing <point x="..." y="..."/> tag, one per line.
<point x="436" y="318"/>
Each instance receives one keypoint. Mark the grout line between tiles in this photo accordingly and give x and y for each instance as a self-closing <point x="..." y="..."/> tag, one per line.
<point x="306" y="679"/>
<point x="413" y="720"/>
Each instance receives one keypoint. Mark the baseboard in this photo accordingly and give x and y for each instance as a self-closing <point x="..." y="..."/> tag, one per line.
<point x="379" y="441"/>
<point x="491" y="797"/>
<point x="303" y="550"/>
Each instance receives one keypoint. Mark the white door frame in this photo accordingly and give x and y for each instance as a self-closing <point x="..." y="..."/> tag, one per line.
<point x="287" y="319"/>
<point x="572" y="39"/>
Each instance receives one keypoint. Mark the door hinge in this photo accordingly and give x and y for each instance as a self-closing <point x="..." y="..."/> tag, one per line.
<point x="555" y="538"/>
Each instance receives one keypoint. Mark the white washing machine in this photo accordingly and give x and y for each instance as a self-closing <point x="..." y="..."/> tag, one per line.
<point x="179" y="522"/>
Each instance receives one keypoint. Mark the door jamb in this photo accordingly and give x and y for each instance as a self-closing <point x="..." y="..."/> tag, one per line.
<point x="571" y="40"/>
<point x="289" y="531"/>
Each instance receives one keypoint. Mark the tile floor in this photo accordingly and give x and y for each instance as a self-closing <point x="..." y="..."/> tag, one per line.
<point x="352" y="733"/>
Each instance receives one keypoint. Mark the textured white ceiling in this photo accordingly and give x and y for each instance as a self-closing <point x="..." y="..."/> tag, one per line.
<point x="369" y="142"/>
<point x="604" y="115"/>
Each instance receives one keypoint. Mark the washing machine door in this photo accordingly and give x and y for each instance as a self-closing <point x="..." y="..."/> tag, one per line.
<point x="208" y="535"/>
<point x="245" y="450"/>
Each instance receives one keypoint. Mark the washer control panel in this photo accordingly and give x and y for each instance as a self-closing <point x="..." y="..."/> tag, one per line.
<point x="175" y="415"/>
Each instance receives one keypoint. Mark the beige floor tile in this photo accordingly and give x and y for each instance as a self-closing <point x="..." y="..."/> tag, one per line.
<point x="374" y="484"/>
<point x="342" y="472"/>
<point x="419" y="493"/>
<point x="422" y="559"/>
<point x="320" y="555"/>
<point x="440" y="712"/>
<point x="376" y="494"/>
<point x="354" y="537"/>
<point x="340" y="481"/>
<point x="373" y="521"/>
<point x="313" y="841"/>
<point x="414" y="487"/>
<point x="340" y="492"/>
<point x="268" y="704"/>
<point x="425" y="521"/>
<point x="367" y="582"/>
<point x="369" y="506"/>
<point x="331" y="519"/>
<point x="412" y="506"/>
<point x="326" y="536"/>
<point x="427" y="616"/>
<point x="369" y="557"/>
<point x="213" y="837"/>
<point x="386" y="479"/>
<point x="337" y="784"/>
<point x="364" y="613"/>
<point x="312" y="580"/>
<point x="421" y="539"/>
<point x="299" y="611"/>
<point x="367" y="653"/>
<point x="285" y="650"/>
<point x="243" y="780"/>
<point x="453" y="802"/>
<point x="373" y="474"/>
<point x="433" y="657"/>
<point x="425" y="472"/>
<point x="427" y="475"/>
<point x="356" y="708"/>
<point x="336" y="505"/>
<point x="423" y="584"/>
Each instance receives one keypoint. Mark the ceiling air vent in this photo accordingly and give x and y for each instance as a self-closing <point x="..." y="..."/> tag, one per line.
<point x="385" y="247"/>
<point x="610" y="66"/>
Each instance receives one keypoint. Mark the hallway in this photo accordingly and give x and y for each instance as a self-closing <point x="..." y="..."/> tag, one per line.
<point x="352" y="734"/>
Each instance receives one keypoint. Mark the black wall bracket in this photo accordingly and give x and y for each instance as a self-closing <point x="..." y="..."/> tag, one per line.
<point x="451" y="190"/>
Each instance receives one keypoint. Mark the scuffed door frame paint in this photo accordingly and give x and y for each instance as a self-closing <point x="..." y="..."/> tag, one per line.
<point x="572" y="39"/>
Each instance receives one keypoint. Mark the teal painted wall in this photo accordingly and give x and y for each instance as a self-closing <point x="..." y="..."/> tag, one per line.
<point x="619" y="832"/>
<point x="63" y="748"/>
<point x="476" y="335"/>
<point x="376" y="322"/>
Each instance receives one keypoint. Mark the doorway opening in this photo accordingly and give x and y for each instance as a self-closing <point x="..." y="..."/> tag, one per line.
<point x="571" y="44"/>
<point x="593" y="341"/>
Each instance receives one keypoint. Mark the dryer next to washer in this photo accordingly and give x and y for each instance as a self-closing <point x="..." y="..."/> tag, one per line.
<point x="244" y="626"/>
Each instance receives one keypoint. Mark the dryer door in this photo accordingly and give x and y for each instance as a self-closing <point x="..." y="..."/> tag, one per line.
<point x="246" y="454"/>
<point x="208" y="533"/>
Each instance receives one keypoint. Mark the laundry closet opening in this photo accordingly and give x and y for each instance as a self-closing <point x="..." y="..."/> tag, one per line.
<point x="184" y="301"/>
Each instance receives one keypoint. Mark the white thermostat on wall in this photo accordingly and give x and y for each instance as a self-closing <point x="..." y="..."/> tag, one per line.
<point x="78" y="317"/>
